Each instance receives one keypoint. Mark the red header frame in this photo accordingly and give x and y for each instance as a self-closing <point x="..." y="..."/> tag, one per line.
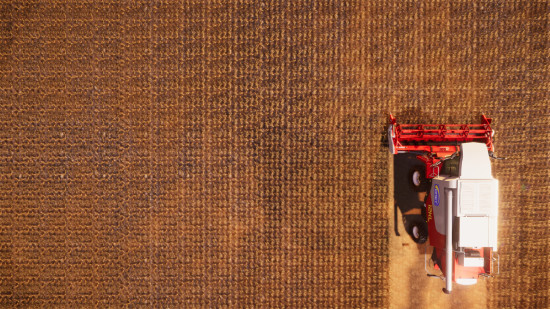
<point x="437" y="141"/>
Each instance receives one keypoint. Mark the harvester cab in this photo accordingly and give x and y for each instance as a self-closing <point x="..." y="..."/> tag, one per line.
<point x="461" y="204"/>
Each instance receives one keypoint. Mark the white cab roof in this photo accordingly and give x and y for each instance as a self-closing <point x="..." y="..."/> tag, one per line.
<point x="474" y="161"/>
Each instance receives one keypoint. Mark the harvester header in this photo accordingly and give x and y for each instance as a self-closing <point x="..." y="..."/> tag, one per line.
<point x="437" y="137"/>
<point x="459" y="215"/>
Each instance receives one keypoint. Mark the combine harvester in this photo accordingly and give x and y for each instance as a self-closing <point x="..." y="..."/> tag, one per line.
<point x="461" y="204"/>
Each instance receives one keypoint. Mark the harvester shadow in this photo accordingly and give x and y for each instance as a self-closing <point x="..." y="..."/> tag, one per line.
<point x="409" y="202"/>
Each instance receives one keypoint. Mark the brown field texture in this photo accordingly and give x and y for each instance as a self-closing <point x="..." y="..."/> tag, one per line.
<point x="229" y="153"/>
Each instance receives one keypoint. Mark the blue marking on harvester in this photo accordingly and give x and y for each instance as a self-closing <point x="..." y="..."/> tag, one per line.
<point x="436" y="195"/>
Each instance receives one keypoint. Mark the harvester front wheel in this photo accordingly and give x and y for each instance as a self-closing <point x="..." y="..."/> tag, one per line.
<point x="417" y="179"/>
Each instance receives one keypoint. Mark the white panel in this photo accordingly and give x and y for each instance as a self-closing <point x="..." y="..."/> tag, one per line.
<point x="470" y="261"/>
<point x="467" y="202"/>
<point x="485" y="197"/>
<point x="474" y="232"/>
<point x="474" y="262"/>
<point x="477" y="197"/>
<point x="474" y="161"/>
<point x="466" y="281"/>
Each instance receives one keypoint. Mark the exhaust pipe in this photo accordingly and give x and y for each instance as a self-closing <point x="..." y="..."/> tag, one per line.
<point x="449" y="244"/>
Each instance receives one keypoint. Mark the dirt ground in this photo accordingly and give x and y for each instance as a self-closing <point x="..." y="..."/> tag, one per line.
<point x="212" y="154"/>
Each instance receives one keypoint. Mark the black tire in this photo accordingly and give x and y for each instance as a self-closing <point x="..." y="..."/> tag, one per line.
<point x="416" y="227"/>
<point x="417" y="179"/>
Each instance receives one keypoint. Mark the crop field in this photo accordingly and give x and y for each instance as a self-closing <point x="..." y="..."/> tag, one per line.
<point x="231" y="154"/>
